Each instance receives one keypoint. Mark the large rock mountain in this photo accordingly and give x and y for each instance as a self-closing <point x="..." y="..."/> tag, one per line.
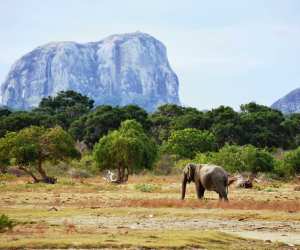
<point x="118" y="70"/>
<point x="289" y="103"/>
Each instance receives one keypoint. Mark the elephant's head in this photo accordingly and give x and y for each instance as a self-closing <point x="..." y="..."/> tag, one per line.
<point x="188" y="176"/>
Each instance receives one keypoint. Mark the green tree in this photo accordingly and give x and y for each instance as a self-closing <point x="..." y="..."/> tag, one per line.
<point x="65" y="107"/>
<point x="263" y="126"/>
<point x="4" y="111"/>
<point x="192" y="118"/>
<point x="91" y="127"/>
<point x="127" y="149"/>
<point x="31" y="146"/>
<point x="291" y="126"/>
<point x="4" y="155"/>
<point x="187" y="142"/>
<point x="171" y="117"/>
<point x="225" y="125"/>
<point x="16" y="121"/>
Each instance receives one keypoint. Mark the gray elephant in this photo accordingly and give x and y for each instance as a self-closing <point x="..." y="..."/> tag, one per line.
<point x="205" y="177"/>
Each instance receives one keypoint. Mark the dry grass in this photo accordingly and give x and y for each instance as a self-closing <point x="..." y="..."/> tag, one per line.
<point x="288" y="206"/>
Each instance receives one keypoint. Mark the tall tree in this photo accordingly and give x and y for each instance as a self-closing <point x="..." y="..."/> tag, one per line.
<point x="66" y="106"/>
<point x="225" y="125"/>
<point x="263" y="126"/>
<point x="126" y="150"/>
<point x="187" y="142"/>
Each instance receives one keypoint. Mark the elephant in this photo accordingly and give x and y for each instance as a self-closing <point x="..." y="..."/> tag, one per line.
<point x="206" y="177"/>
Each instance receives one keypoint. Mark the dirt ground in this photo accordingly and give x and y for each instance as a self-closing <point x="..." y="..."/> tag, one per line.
<point x="91" y="213"/>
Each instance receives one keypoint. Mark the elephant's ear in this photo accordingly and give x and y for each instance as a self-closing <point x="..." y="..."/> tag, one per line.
<point x="188" y="176"/>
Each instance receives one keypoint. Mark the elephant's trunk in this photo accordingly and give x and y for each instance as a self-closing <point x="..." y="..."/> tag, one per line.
<point x="183" y="186"/>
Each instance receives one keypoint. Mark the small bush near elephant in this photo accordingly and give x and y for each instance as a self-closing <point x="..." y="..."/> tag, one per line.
<point x="240" y="159"/>
<point x="6" y="223"/>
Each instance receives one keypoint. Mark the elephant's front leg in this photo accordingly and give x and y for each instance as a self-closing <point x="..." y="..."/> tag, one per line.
<point x="199" y="189"/>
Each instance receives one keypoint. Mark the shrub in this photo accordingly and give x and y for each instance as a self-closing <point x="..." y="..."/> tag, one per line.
<point x="291" y="162"/>
<point x="147" y="188"/>
<point x="240" y="159"/>
<point x="280" y="170"/>
<point x="6" y="223"/>
<point x="164" y="165"/>
<point x="78" y="173"/>
<point x="66" y="182"/>
<point x="86" y="164"/>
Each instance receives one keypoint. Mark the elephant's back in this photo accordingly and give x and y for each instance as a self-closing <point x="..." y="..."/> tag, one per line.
<point x="212" y="176"/>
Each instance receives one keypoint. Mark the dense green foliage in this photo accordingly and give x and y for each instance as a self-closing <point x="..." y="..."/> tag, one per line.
<point x="92" y="126"/>
<point x="66" y="107"/>
<point x="239" y="159"/>
<point x="291" y="161"/>
<point x="239" y="141"/>
<point x="255" y="124"/>
<point x="18" y="120"/>
<point x="127" y="149"/>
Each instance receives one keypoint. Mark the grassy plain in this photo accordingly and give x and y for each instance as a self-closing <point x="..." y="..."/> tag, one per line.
<point x="147" y="213"/>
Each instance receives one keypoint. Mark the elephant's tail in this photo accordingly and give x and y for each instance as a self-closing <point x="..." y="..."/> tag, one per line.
<point x="231" y="180"/>
<point x="227" y="189"/>
<point x="228" y="182"/>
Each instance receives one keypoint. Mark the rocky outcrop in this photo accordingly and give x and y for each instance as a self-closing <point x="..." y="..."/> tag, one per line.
<point x="289" y="103"/>
<point x="119" y="70"/>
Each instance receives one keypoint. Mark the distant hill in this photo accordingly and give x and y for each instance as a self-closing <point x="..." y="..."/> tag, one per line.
<point x="121" y="69"/>
<point x="289" y="103"/>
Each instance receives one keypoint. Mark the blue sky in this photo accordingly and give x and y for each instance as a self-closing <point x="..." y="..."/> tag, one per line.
<point x="224" y="52"/>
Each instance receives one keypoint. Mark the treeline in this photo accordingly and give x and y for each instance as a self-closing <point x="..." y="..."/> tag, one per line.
<point x="172" y="130"/>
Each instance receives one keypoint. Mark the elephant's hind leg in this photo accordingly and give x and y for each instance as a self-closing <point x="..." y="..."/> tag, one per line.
<point x="199" y="190"/>
<point x="223" y="195"/>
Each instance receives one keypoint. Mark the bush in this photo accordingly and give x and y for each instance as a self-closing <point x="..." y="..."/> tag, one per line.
<point x="240" y="159"/>
<point x="78" y="173"/>
<point x="148" y="188"/>
<point x="291" y="162"/>
<point x="6" y="223"/>
<point x="86" y="164"/>
<point x="164" y="165"/>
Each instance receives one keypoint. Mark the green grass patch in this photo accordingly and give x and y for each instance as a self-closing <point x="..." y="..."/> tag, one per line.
<point x="6" y="223"/>
<point x="171" y="239"/>
<point x="147" y="188"/>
